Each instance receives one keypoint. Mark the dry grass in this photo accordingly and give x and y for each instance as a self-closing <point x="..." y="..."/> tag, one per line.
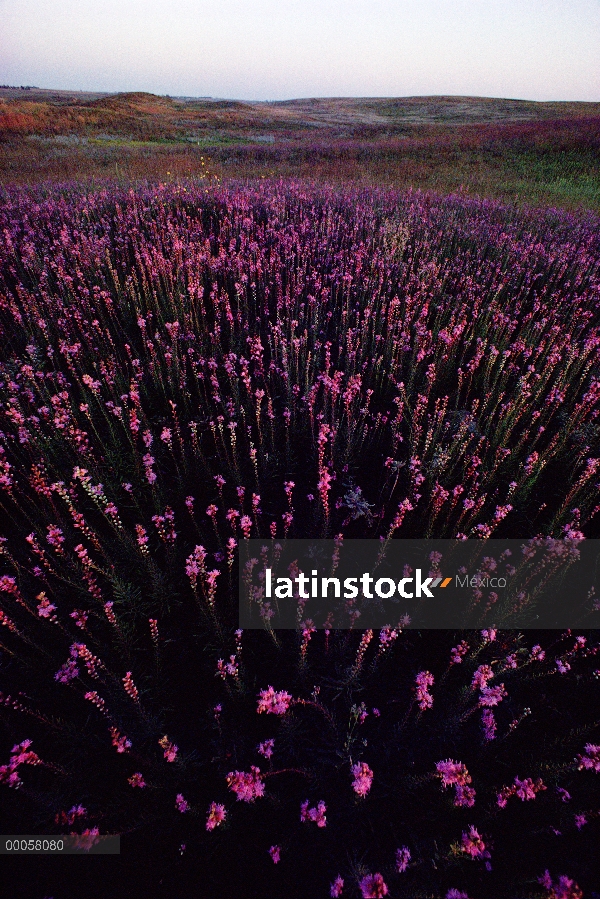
<point x="545" y="153"/>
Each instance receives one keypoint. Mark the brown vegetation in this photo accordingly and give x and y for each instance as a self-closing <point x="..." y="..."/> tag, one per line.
<point x="514" y="149"/>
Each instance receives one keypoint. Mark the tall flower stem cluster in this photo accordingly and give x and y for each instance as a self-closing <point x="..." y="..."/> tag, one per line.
<point x="184" y="368"/>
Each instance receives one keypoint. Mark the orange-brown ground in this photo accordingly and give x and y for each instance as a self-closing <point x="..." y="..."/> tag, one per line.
<point x="513" y="149"/>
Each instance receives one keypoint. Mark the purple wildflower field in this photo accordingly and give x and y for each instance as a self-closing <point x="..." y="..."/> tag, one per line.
<point x="185" y="367"/>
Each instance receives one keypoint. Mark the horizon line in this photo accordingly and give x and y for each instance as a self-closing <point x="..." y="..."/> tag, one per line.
<point x="117" y="93"/>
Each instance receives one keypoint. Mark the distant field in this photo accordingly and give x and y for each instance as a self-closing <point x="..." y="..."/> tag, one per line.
<point x="539" y="153"/>
<point x="222" y="321"/>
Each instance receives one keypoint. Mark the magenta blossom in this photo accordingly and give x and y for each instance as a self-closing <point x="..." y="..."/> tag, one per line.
<point x="424" y="680"/>
<point x="337" y="887"/>
<point x="363" y="778"/>
<point x="402" y="859"/>
<point x="170" y="750"/>
<point x="473" y="845"/>
<point x="266" y="748"/>
<point x="527" y="788"/>
<point x="136" y="780"/>
<point x="181" y="804"/>
<point x="247" y="785"/>
<point x="373" y="886"/>
<point x="591" y="760"/>
<point x="453" y="773"/>
<point x="563" y="888"/>
<point x="316" y="814"/>
<point x="491" y="696"/>
<point x="216" y="815"/>
<point x="483" y="674"/>
<point x="273" y="702"/>
<point x="87" y="839"/>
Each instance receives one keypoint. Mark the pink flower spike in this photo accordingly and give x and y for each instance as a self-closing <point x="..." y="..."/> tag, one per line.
<point x="337" y="887"/>
<point x="275" y="853"/>
<point x="483" y="674"/>
<point x="527" y="788"/>
<point x="266" y="748"/>
<point x="373" y="886"/>
<point x="136" y="780"/>
<point x="316" y="814"/>
<point x="87" y="839"/>
<point x="457" y="653"/>
<point x="181" y="804"/>
<point x="319" y="818"/>
<point x="402" y="859"/>
<point x="563" y="888"/>
<point x="473" y="845"/>
<point x="80" y="616"/>
<point x="464" y="796"/>
<point x="130" y="687"/>
<point x="216" y="815"/>
<point x="170" y="749"/>
<point x="247" y="786"/>
<point x="491" y="696"/>
<point x="77" y="811"/>
<point x="591" y="760"/>
<point x="363" y="778"/>
<point x="489" y="724"/>
<point x="424" y="680"/>
<point x="453" y="773"/>
<point x="273" y="702"/>
<point x="121" y="743"/>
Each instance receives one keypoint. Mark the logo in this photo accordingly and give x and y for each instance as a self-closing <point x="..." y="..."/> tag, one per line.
<point x="385" y="587"/>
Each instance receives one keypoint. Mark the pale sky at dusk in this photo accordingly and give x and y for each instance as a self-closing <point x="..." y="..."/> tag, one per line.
<point x="283" y="49"/>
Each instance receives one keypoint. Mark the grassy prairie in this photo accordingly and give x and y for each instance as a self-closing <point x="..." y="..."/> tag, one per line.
<point x="537" y="153"/>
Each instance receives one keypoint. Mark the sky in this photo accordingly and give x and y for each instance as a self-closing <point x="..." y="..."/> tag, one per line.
<point x="285" y="49"/>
